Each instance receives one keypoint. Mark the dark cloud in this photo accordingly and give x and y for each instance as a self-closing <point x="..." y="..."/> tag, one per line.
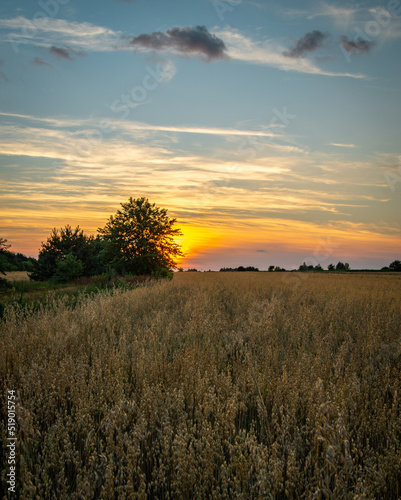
<point x="263" y="251"/>
<point x="60" y="53"/>
<point x="40" y="62"/>
<point x="65" y="52"/>
<point x="357" y="46"/>
<point x="307" y="43"/>
<point x="186" y="41"/>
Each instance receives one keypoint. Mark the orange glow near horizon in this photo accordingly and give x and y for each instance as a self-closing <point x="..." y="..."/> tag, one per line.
<point x="221" y="239"/>
<point x="194" y="240"/>
<point x="287" y="237"/>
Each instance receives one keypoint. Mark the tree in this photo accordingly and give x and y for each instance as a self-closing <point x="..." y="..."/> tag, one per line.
<point x="331" y="267"/>
<point x="340" y="266"/>
<point x="3" y="251"/>
<point x="140" y="239"/>
<point x="271" y="269"/>
<point x="3" y="248"/>
<point x="395" y="266"/>
<point x="305" y="267"/>
<point x="86" y="249"/>
<point x="3" y="245"/>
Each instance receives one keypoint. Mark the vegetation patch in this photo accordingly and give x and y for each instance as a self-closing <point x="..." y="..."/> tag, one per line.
<point x="212" y="385"/>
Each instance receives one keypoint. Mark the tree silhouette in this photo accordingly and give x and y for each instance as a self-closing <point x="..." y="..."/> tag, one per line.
<point x="3" y="245"/>
<point x="3" y="248"/>
<point x="395" y="266"/>
<point x="3" y="251"/>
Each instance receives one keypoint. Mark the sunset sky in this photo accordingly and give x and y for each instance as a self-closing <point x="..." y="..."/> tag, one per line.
<point x="270" y="130"/>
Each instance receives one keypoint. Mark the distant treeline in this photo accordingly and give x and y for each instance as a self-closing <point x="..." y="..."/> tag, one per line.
<point x="340" y="266"/>
<point x="10" y="261"/>
<point x="236" y="269"/>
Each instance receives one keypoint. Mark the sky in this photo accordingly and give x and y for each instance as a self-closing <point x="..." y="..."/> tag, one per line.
<point x="270" y="130"/>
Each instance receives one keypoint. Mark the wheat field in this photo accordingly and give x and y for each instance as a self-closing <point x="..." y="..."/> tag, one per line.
<point x="212" y="385"/>
<point x="17" y="276"/>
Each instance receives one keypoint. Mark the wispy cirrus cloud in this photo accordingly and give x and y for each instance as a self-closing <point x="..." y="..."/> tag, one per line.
<point x="276" y="183"/>
<point x="341" y="145"/>
<point x="269" y="53"/>
<point x="49" y="32"/>
<point x="281" y="192"/>
<point x="342" y="16"/>
<point x="200" y="130"/>
<point x="130" y="126"/>
<point x="84" y="36"/>
<point x="224" y="43"/>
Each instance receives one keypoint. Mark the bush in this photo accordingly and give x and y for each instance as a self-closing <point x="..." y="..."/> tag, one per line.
<point x="87" y="249"/>
<point x="68" y="269"/>
<point x="163" y="273"/>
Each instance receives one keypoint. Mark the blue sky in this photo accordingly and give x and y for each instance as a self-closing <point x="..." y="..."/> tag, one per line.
<point x="271" y="130"/>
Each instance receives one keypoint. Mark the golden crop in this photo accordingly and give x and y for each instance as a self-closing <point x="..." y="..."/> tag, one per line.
<point x="213" y="385"/>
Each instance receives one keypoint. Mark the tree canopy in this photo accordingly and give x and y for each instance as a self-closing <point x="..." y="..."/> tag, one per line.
<point x="3" y="248"/>
<point x="140" y="238"/>
<point x="395" y="266"/>
<point x="84" y="252"/>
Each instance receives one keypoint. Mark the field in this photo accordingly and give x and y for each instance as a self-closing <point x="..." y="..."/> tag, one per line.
<point x="17" y="276"/>
<point x="212" y="385"/>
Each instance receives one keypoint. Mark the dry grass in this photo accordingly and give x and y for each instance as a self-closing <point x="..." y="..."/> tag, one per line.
<point x="17" y="276"/>
<point x="248" y="385"/>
